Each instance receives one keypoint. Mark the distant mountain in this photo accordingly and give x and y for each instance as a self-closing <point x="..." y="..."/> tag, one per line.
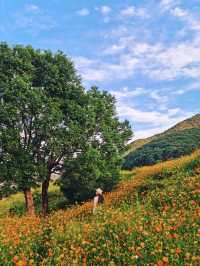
<point x="193" y="122"/>
<point x="179" y="140"/>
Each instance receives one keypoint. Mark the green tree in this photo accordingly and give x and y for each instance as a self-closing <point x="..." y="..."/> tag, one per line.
<point x="42" y="112"/>
<point x="99" y="162"/>
<point x="46" y="118"/>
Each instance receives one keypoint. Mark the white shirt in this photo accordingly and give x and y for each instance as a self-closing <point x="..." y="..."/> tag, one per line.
<point x="95" y="203"/>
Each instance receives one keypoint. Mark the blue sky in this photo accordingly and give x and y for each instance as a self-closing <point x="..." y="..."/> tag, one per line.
<point x="145" y="52"/>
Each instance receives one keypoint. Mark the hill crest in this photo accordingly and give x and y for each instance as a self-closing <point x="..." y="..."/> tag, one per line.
<point x="192" y="122"/>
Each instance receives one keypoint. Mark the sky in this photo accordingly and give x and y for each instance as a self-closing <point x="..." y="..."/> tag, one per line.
<point x="145" y="52"/>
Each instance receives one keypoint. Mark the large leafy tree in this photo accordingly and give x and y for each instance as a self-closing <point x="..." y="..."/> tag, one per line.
<point x="46" y="118"/>
<point x="99" y="161"/>
<point x="42" y="117"/>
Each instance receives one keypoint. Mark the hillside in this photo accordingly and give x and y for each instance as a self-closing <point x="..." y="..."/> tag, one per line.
<point x="150" y="219"/>
<point x="179" y="140"/>
<point x="165" y="147"/>
<point x="193" y="122"/>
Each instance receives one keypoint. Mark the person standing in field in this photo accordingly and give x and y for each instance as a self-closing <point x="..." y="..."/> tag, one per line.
<point x="98" y="199"/>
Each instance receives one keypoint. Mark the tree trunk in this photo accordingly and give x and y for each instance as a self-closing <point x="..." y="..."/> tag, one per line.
<point x="30" y="207"/>
<point x="45" y="202"/>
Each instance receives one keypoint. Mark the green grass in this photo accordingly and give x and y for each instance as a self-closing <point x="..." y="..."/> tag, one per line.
<point x="16" y="204"/>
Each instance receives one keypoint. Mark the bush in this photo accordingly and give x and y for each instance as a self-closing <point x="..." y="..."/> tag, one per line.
<point x="88" y="172"/>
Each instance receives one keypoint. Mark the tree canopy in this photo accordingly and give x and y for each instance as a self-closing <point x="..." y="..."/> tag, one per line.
<point x="47" y="117"/>
<point x="99" y="163"/>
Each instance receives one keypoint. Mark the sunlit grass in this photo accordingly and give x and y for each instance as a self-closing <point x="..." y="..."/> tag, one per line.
<point x="18" y="199"/>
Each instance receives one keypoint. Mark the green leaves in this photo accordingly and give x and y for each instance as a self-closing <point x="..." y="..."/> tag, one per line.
<point x="39" y="92"/>
<point x="98" y="162"/>
<point x="47" y="118"/>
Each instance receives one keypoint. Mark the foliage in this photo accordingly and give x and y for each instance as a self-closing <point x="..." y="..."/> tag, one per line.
<point x="165" y="147"/>
<point x="42" y="102"/>
<point x="47" y="117"/>
<point x="160" y="226"/>
<point x="99" y="163"/>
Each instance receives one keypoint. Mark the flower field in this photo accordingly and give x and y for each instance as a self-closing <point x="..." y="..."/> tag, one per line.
<point x="152" y="218"/>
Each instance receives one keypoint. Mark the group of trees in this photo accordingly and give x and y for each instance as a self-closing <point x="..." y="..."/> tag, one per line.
<point x="168" y="146"/>
<point x="50" y="124"/>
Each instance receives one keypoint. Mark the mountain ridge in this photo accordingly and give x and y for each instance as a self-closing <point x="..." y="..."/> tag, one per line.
<point x="192" y="122"/>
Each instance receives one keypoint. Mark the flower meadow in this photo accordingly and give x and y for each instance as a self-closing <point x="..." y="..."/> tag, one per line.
<point x="151" y="218"/>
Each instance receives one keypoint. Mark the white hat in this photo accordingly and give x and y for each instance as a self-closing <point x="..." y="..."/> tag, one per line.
<point x="99" y="190"/>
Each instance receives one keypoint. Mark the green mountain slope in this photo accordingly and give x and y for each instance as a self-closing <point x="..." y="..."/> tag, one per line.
<point x="179" y="140"/>
<point x="193" y="122"/>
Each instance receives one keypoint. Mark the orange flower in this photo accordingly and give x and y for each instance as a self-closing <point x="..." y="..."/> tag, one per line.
<point x="172" y="236"/>
<point x="85" y="261"/>
<point x="178" y="251"/>
<point x="160" y="263"/>
<point x="50" y="253"/>
<point x="165" y="208"/>
<point x="15" y="259"/>
<point x="165" y="259"/>
<point x="21" y="263"/>
<point x="158" y="228"/>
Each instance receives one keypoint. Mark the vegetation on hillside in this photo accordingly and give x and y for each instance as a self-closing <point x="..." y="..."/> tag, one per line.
<point x="192" y="122"/>
<point x="151" y="219"/>
<point x="163" y="148"/>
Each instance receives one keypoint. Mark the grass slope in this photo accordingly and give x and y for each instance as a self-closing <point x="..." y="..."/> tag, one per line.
<point x="150" y="219"/>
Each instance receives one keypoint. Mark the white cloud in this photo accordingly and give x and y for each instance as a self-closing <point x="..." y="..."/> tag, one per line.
<point x="126" y="93"/>
<point x="180" y="60"/>
<point x="100" y="70"/>
<point x="161" y="100"/>
<point x="184" y="15"/>
<point x="132" y="11"/>
<point x="142" y="12"/>
<point x="141" y="134"/>
<point x="128" y="12"/>
<point x="83" y="12"/>
<point x="195" y="86"/>
<point x="155" y="60"/>
<point x="135" y="53"/>
<point x="114" y="49"/>
<point x="157" y="121"/>
<point x="178" y="12"/>
<point x="32" y="8"/>
<point x="168" y="4"/>
<point x="166" y="122"/>
<point x="152" y="117"/>
<point x="105" y="10"/>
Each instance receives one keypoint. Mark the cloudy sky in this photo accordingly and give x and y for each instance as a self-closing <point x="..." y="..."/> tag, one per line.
<point x="145" y="52"/>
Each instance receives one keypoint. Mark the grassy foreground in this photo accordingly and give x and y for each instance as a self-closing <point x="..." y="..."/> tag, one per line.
<point x="152" y="218"/>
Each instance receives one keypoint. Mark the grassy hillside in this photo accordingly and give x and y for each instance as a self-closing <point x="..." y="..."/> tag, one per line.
<point x="193" y="122"/>
<point x="152" y="218"/>
<point x="165" y="147"/>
